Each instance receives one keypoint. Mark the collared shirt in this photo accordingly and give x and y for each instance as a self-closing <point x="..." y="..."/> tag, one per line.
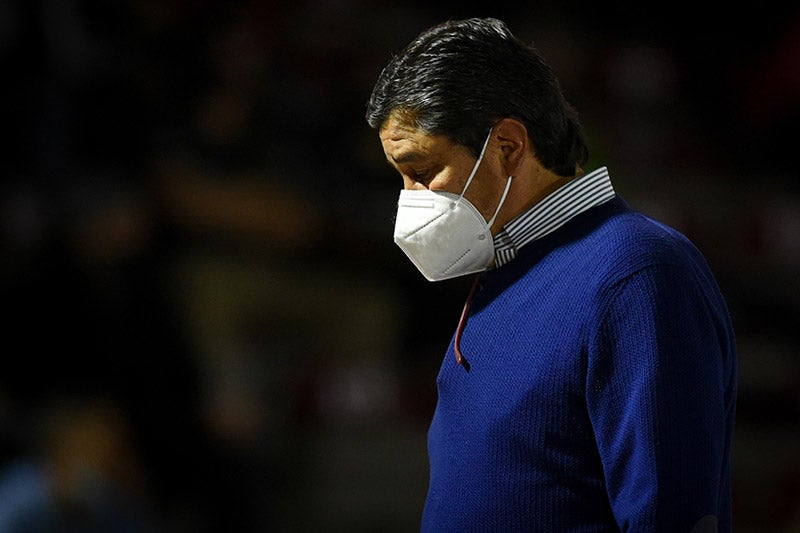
<point x="552" y="212"/>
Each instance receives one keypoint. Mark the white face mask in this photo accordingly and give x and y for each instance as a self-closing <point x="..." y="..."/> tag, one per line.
<point x="442" y="233"/>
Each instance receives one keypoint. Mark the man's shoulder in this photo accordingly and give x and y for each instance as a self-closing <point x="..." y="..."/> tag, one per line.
<point x="624" y="240"/>
<point x="605" y="244"/>
<point x="623" y="229"/>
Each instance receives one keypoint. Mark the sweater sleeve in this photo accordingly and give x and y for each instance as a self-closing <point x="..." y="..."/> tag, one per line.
<point x="657" y="400"/>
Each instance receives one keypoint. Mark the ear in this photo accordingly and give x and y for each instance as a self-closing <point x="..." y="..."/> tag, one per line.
<point x="512" y="136"/>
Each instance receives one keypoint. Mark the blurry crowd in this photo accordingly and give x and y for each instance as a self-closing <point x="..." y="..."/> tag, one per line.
<point x="207" y="327"/>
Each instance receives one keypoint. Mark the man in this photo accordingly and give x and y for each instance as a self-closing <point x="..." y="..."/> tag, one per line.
<point x="591" y="382"/>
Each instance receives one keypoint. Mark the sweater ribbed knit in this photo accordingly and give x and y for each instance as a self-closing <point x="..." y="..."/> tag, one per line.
<point x="600" y="393"/>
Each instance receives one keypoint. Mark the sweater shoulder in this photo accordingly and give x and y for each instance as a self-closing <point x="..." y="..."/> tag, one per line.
<point x="624" y="241"/>
<point x="599" y="249"/>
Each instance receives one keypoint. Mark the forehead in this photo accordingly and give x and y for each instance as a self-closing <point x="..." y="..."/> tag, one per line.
<point x="397" y="127"/>
<point x="403" y="142"/>
<point x="397" y="134"/>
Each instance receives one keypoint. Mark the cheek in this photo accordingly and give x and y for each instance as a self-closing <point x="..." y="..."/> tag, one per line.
<point x="485" y="191"/>
<point x="451" y="178"/>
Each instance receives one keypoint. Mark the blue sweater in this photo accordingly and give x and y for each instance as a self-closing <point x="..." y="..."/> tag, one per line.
<point x="600" y="393"/>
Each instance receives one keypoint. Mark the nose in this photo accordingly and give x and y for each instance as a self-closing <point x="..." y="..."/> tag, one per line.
<point x="410" y="184"/>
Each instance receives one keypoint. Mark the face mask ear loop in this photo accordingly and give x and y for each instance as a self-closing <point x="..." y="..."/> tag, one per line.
<point x="475" y="168"/>
<point x="502" y="199"/>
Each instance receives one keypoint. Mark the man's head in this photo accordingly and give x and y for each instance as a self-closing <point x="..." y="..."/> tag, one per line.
<point x="458" y="79"/>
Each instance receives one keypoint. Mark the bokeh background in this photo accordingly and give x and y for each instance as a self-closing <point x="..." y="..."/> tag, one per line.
<point x="206" y="325"/>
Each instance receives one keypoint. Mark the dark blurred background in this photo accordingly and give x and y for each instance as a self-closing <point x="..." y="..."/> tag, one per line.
<point x="206" y="324"/>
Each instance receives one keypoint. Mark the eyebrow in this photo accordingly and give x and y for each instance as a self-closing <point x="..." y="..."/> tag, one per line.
<point x="406" y="157"/>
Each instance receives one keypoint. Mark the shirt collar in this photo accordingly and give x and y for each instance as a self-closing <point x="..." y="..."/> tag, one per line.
<point x="552" y="212"/>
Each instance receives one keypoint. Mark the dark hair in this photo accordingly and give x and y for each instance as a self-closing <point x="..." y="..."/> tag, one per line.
<point x="459" y="78"/>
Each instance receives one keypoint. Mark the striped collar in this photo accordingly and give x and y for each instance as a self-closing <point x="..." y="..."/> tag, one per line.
<point x="552" y="212"/>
